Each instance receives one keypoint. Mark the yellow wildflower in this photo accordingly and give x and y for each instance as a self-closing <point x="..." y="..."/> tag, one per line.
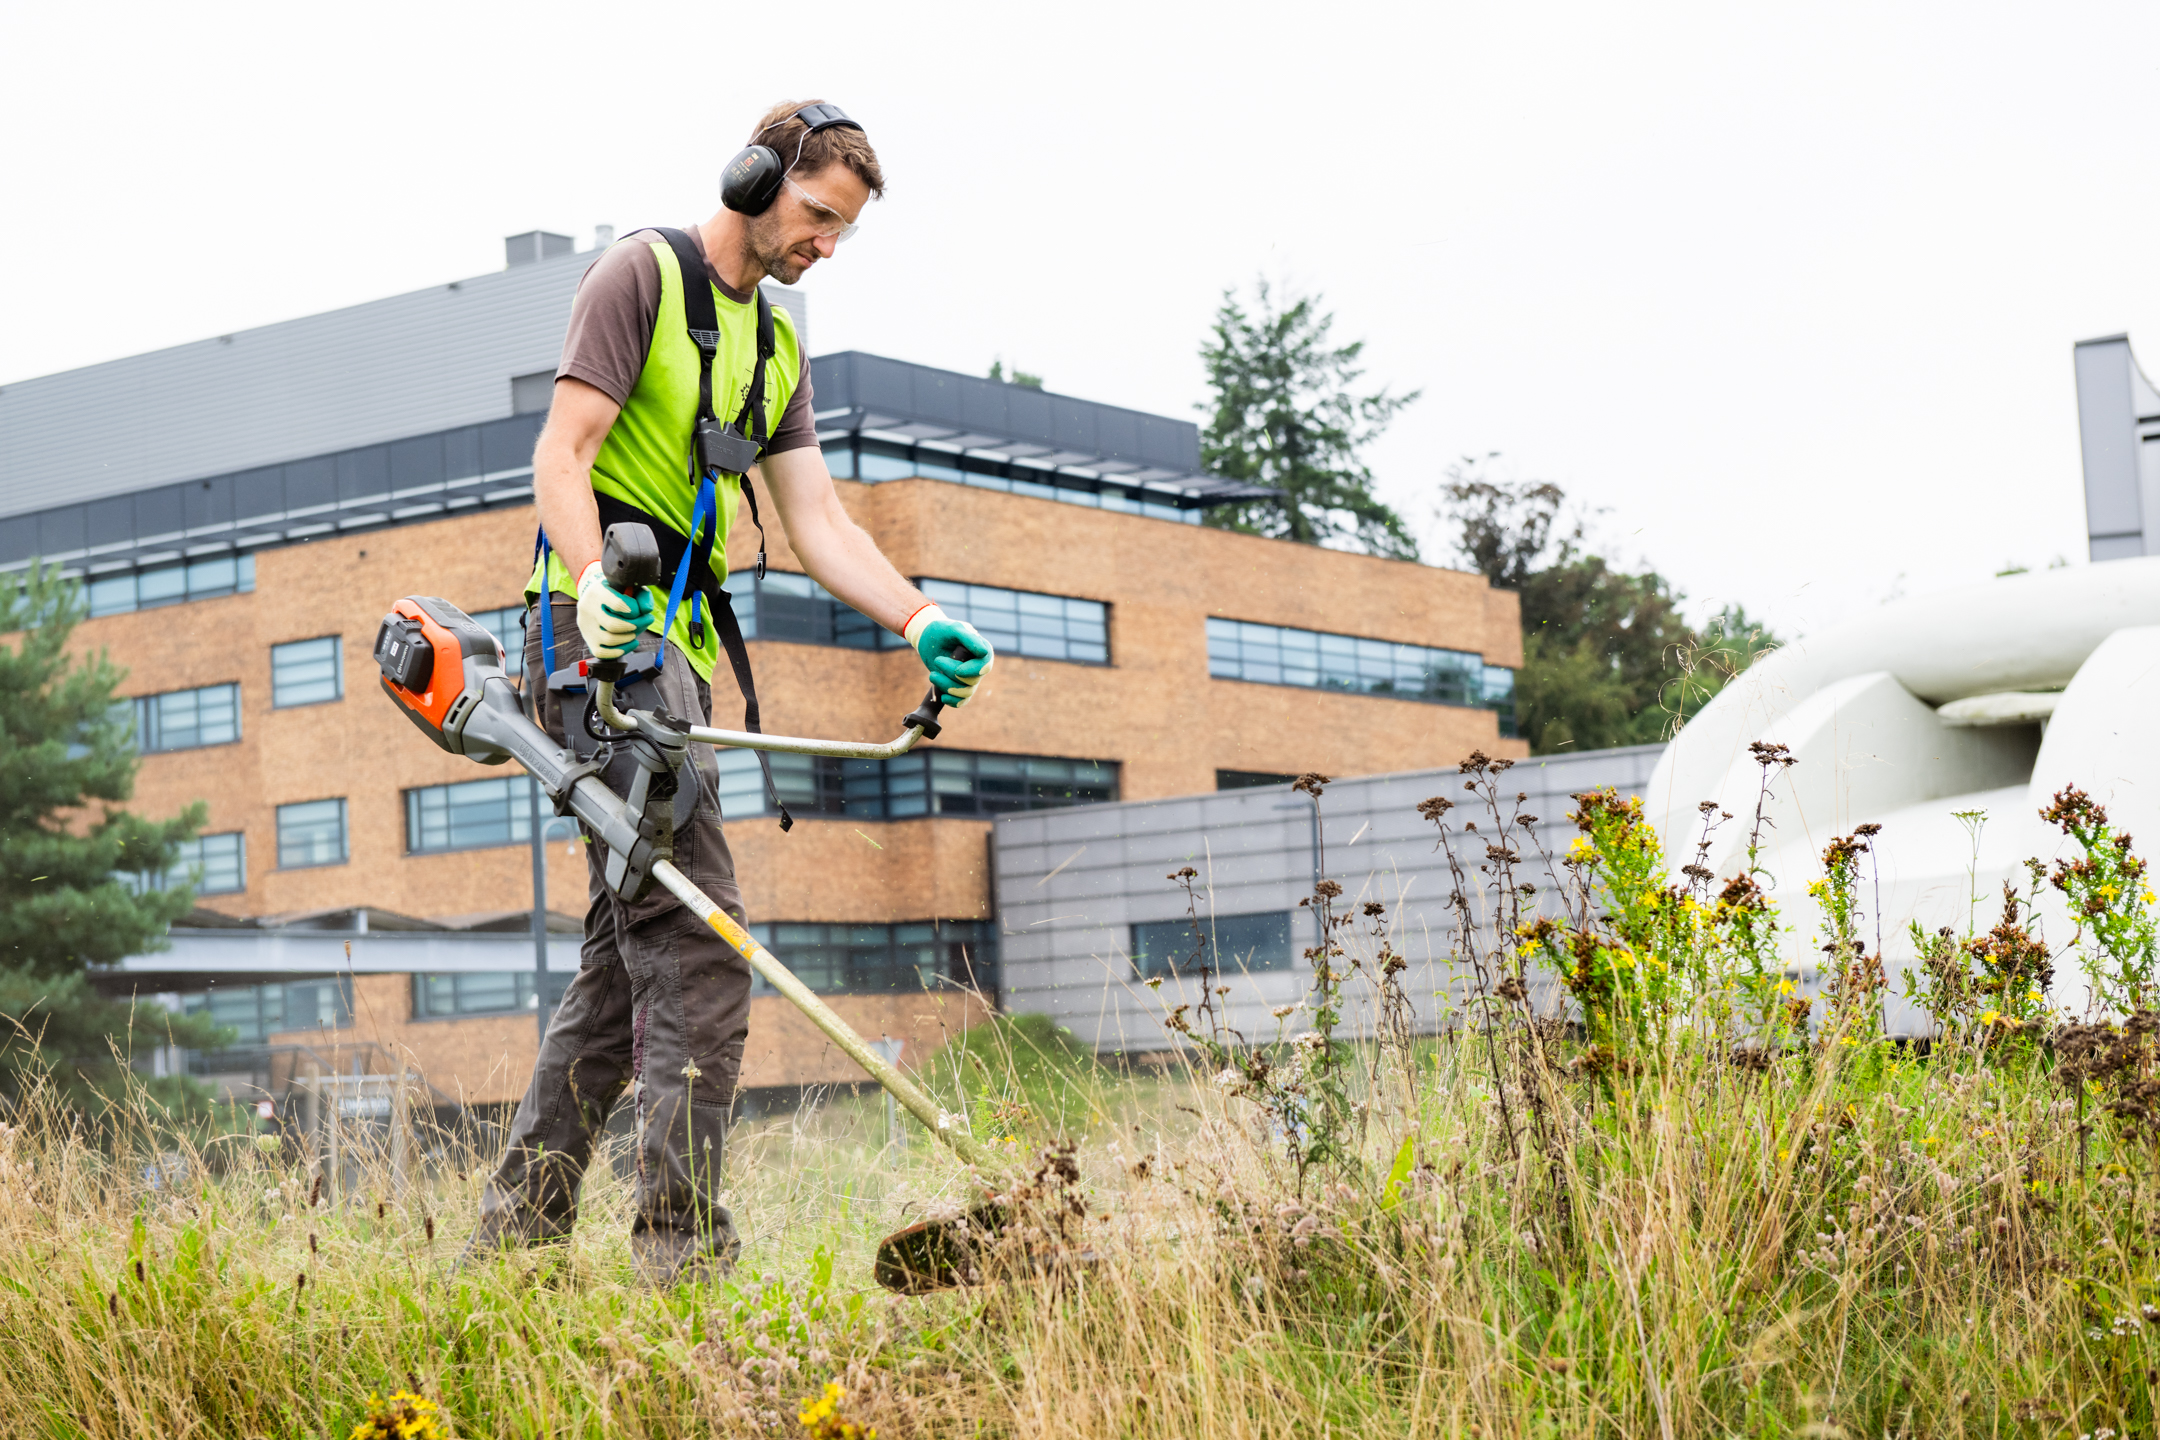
<point x="404" y="1416"/>
<point x="821" y="1417"/>
<point x="814" y="1411"/>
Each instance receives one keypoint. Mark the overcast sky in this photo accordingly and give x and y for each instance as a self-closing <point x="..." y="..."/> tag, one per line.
<point x="1787" y="292"/>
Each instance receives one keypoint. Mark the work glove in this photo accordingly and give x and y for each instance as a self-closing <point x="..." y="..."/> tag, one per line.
<point x="955" y="655"/>
<point x="608" y="619"/>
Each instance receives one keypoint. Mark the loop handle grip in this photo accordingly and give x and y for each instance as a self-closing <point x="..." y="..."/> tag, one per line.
<point x="926" y="714"/>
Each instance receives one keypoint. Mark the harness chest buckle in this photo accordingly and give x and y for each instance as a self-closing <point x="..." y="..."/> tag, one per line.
<point x="723" y="447"/>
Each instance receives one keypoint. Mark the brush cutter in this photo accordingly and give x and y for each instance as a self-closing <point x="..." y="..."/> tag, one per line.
<point x="445" y="671"/>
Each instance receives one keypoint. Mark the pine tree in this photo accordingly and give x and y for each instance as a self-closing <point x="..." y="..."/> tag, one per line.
<point x="1286" y="414"/>
<point x="67" y="758"/>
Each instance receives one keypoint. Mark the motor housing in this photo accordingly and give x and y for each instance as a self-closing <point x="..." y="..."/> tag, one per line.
<point x="435" y="662"/>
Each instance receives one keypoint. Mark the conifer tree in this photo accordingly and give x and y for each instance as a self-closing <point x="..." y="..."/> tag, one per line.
<point x="1287" y="413"/>
<point x="67" y="761"/>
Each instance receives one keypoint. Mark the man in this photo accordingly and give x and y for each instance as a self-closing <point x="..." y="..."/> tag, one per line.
<point x="660" y="1000"/>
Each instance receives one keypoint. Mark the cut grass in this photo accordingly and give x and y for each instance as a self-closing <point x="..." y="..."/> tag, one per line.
<point x="1734" y="1251"/>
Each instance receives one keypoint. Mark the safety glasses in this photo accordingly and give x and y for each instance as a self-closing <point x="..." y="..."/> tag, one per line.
<point x="830" y="223"/>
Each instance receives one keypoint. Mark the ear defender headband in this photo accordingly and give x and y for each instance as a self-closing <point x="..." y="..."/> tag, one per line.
<point x="752" y="179"/>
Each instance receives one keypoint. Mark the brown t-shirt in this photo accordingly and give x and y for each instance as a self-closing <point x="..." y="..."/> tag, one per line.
<point x="611" y="322"/>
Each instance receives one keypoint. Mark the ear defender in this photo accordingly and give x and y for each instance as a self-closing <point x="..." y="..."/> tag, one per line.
<point x="751" y="181"/>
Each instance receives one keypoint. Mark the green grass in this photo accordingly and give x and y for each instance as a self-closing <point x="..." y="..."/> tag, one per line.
<point x="1626" y="1229"/>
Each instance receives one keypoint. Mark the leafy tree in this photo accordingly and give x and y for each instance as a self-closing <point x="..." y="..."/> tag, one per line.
<point x="1018" y="377"/>
<point x="1286" y="414"/>
<point x="67" y="757"/>
<point x="1608" y="659"/>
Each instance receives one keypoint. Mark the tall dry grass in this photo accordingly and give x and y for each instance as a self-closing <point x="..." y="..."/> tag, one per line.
<point x="1651" y="1222"/>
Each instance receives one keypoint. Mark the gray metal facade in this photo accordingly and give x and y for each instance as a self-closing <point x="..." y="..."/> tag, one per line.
<point x="870" y="396"/>
<point x="433" y="360"/>
<point x="2119" y="433"/>
<point x="1071" y="884"/>
<point x="200" y="957"/>
<point x="402" y="410"/>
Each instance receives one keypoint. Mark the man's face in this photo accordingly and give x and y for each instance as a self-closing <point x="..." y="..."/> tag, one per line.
<point x="801" y="227"/>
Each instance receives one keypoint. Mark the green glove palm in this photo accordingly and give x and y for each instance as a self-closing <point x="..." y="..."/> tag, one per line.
<point x="951" y="650"/>
<point x="608" y="619"/>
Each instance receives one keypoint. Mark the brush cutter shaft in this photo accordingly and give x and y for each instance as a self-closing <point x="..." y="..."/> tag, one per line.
<point x="445" y="673"/>
<point x="941" y="1123"/>
<point x="919" y="724"/>
<point x="788" y="744"/>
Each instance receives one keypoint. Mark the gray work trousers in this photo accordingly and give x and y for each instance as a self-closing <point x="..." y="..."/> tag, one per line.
<point x="661" y="1002"/>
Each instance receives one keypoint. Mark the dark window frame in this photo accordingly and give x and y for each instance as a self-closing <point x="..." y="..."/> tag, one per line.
<point x="1495" y="696"/>
<point x="146" y="882"/>
<point x="337" y="671"/>
<point x="969" y="955"/>
<point x="823" y="787"/>
<point x="146" y="727"/>
<point x="1250" y="780"/>
<point x="1176" y="936"/>
<point x="558" y="983"/>
<point x="344" y="804"/>
<point x="259" y="1031"/>
<point x="520" y="812"/>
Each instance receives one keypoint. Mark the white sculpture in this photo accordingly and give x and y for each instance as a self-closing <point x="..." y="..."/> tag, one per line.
<point x="1989" y="698"/>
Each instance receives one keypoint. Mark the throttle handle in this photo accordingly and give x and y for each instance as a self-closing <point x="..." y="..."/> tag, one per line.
<point x="629" y="558"/>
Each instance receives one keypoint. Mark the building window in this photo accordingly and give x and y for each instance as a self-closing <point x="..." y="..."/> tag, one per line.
<point x="256" y="1012"/>
<point x="170" y="584"/>
<point x="507" y="625"/>
<point x="958" y="782"/>
<point x="483" y="992"/>
<point x="471" y="816"/>
<point x="311" y="833"/>
<point x="872" y="461"/>
<point x="1278" y="655"/>
<point x="795" y="607"/>
<point x="1023" y="622"/>
<point x="1236" y="944"/>
<point x="884" y="959"/>
<point x="1500" y="696"/>
<point x="926" y="782"/>
<point x="1249" y="779"/>
<point x="213" y="864"/>
<point x="187" y="719"/>
<point x="307" y="672"/>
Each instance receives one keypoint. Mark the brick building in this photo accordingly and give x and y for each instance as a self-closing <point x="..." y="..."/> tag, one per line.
<point x="363" y="895"/>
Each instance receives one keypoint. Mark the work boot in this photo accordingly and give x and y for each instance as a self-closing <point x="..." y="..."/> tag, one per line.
<point x="667" y="1258"/>
<point x="494" y="1237"/>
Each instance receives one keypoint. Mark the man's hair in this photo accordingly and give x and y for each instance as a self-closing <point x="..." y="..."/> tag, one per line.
<point x="783" y="133"/>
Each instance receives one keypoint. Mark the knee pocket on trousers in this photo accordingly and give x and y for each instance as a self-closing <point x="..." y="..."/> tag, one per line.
<point x="715" y="1010"/>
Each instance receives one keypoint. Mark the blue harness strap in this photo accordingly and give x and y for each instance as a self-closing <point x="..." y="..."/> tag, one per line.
<point x="542" y="552"/>
<point x="705" y="520"/>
